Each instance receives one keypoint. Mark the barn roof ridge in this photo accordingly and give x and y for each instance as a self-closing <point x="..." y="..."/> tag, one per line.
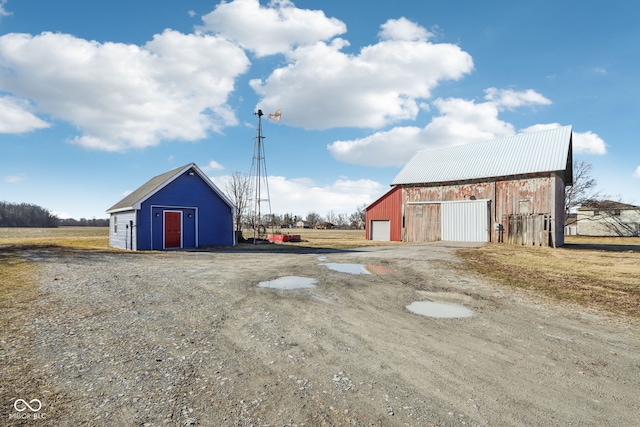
<point x="525" y="153"/>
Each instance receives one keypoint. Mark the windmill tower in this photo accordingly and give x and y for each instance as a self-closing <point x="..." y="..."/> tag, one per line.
<point x="259" y="181"/>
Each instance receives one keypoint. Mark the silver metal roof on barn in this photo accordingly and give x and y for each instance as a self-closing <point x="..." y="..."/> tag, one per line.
<point x="521" y="154"/>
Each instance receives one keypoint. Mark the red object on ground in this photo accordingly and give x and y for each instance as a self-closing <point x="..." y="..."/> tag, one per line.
<point x="281" y="238"/>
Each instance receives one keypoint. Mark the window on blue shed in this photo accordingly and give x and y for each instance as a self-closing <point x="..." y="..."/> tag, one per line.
<point x="115" y="224"/>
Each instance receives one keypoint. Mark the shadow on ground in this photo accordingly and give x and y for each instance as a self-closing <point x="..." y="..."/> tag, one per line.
<point x="602" y="247"/>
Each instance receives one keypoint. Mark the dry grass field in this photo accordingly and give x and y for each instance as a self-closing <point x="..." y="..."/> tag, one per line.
<point x="72" y="237"/>
<point x="597" y="273"/>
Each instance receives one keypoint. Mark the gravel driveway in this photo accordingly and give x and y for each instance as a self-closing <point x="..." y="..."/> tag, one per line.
<point x="189" y="338"/>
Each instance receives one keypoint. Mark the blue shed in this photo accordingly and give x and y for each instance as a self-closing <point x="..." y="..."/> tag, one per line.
<point x="180" y="209"/>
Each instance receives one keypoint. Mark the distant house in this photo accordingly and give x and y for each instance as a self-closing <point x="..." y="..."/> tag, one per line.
<point x="179" y="209"/>
<point x="608" y="218"/>
<point x="505" y="190"/>
<point x="302" y="224"/>
<point x="571" y="224"/>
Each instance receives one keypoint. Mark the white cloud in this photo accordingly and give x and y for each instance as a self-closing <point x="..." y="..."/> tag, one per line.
<point x="636" y="173"/>
<point x="276" y="28"/>
<point x="213" y="166"/>
<point x="403" y="29"/>
<point x="300" y="196"/>
<point x="322" y="87"/>
<point x="16" y="117"/>
<point x="540" y="127"/>
<point x="583" y="142"/>
<point x="61" y="215"/>
<point x="510" y="99"/>
<point x="13" y="179"/>
<point x="125" y="96"/>
<point x="3" y="11"/>
<point x="459" y="121"/>
<point x="588" y="143"/>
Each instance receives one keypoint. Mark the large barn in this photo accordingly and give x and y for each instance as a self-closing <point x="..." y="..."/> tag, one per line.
<point x="179" y="209"/>
<point x="504" y="190"/>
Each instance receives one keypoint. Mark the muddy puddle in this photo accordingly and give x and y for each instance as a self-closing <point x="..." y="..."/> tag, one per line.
<point x="378" y="269"/>
<point x="289" y="283"/>
<point x="354" y="268"/>
<point x="346" y="268"/>
<point x="439" y="310"/>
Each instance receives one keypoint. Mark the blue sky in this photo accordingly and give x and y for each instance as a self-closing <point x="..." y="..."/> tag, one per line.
<point x="97" y="97"/>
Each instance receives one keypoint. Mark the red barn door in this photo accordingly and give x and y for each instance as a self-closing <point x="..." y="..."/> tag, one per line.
<point x="172" y="229"/>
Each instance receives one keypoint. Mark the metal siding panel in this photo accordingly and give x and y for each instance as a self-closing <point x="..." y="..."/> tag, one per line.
<point x="465" y="221"/>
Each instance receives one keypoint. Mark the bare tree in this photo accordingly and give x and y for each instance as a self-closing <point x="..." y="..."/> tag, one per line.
<point x="358" y="218"/>
<point x="238" y="188"/>
<point x="332" y="218"/>
<point x="583" y="188"/>
<point x="313" y="219"/>
<point x="342" y="222"/>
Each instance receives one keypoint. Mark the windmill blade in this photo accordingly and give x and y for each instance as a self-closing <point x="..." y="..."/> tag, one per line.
<point x="276" y="116"/>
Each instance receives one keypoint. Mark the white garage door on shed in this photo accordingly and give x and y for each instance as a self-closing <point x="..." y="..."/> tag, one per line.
<point x="381" y="230"/>
<point x="466" y="221"/>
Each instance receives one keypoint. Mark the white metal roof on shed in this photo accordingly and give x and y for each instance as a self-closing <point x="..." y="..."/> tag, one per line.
<point x="545" y="151"/>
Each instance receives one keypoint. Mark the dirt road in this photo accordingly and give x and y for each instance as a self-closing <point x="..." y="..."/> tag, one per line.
<point x="191" y="339"/>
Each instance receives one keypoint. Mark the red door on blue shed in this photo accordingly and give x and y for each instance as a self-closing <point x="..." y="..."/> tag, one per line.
<point x="172" y="229"/>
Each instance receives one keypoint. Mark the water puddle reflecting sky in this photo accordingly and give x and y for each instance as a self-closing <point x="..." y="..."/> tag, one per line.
<point x="289" y="283"/>
<point x="353" y="268"/>
<point x="439" y="310"/>
<point x="346" y="268"/>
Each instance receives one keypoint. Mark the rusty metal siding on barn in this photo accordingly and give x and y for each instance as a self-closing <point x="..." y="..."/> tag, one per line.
<point x="387" y="207"/>
<point x="558" y="211"/>
<point x="525" y="195"/>
<point x="422" y="222"/>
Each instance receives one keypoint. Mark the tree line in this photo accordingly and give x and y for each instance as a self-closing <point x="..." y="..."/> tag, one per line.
<point x="30" y="215"/>
<point x="343" y="221"/>
<point x="26" y="215"/>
